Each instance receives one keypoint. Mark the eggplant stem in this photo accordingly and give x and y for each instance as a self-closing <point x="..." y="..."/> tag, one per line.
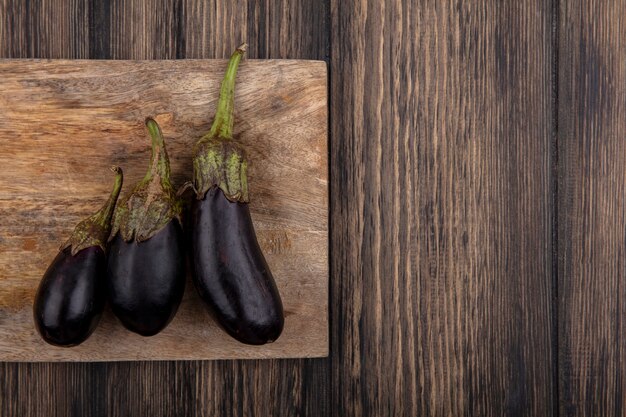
<point x="104" y="215"/>
<point x="224" y="116"/>
<point x="159" y="162"/>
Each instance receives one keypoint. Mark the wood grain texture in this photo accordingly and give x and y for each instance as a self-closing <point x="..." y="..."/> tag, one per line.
<point x="592" y="208"/>
<point x="441" y="208"/>
<point x="44" y="29"/>
<point x="272" y="28"/>
<point x="89" y="115"/>
<point x="448" y="103"/>
<point x="296" y="387"/>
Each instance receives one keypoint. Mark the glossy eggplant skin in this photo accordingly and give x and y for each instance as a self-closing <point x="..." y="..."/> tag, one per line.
<point x="71" y="297"/>
<point x="230" y="271"/>
<point x="146" y="280"/>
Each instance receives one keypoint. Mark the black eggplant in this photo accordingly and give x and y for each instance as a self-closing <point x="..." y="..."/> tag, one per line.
<point x="229" y="269"/>
<point x="146" y="266"/>
<point x="72" y="292"/>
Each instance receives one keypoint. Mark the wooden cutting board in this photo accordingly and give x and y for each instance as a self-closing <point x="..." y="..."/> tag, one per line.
<point x="64" y="123"/>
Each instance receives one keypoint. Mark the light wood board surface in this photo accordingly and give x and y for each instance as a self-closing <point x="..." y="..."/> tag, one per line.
<point x="64" y="123"/>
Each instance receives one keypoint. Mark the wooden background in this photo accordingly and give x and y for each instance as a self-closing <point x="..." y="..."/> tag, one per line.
<point x="477" y="211"/>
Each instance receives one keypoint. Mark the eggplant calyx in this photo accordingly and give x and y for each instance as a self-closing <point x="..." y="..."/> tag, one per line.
<point x="95" y="229"/>
<point x="222" y="163"/>
<point x="153" y="203"/>
<point x="218" y="161"/>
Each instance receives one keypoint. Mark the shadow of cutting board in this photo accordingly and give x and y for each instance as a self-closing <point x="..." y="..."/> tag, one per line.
<point x="64" y="123"/>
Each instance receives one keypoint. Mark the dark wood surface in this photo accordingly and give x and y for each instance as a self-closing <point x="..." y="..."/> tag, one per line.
<point x="441" y="208"/>
<point x="592" y="208"/>
<point x="476" y="207"/>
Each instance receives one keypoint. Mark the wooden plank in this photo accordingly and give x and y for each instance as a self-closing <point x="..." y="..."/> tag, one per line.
<point x="146" y="29"/>
<point x="44" y="29"/>
<point x="440" y="208"/>
<point x="592" y="208"/>
<point x="89" y="115"/>
<point x="272" y="28"/>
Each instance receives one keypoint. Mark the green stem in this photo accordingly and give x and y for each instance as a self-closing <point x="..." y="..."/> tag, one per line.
<point x="159" y="162"/>
<point x="103" y="216"/>
<point x="224" y="118"/>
